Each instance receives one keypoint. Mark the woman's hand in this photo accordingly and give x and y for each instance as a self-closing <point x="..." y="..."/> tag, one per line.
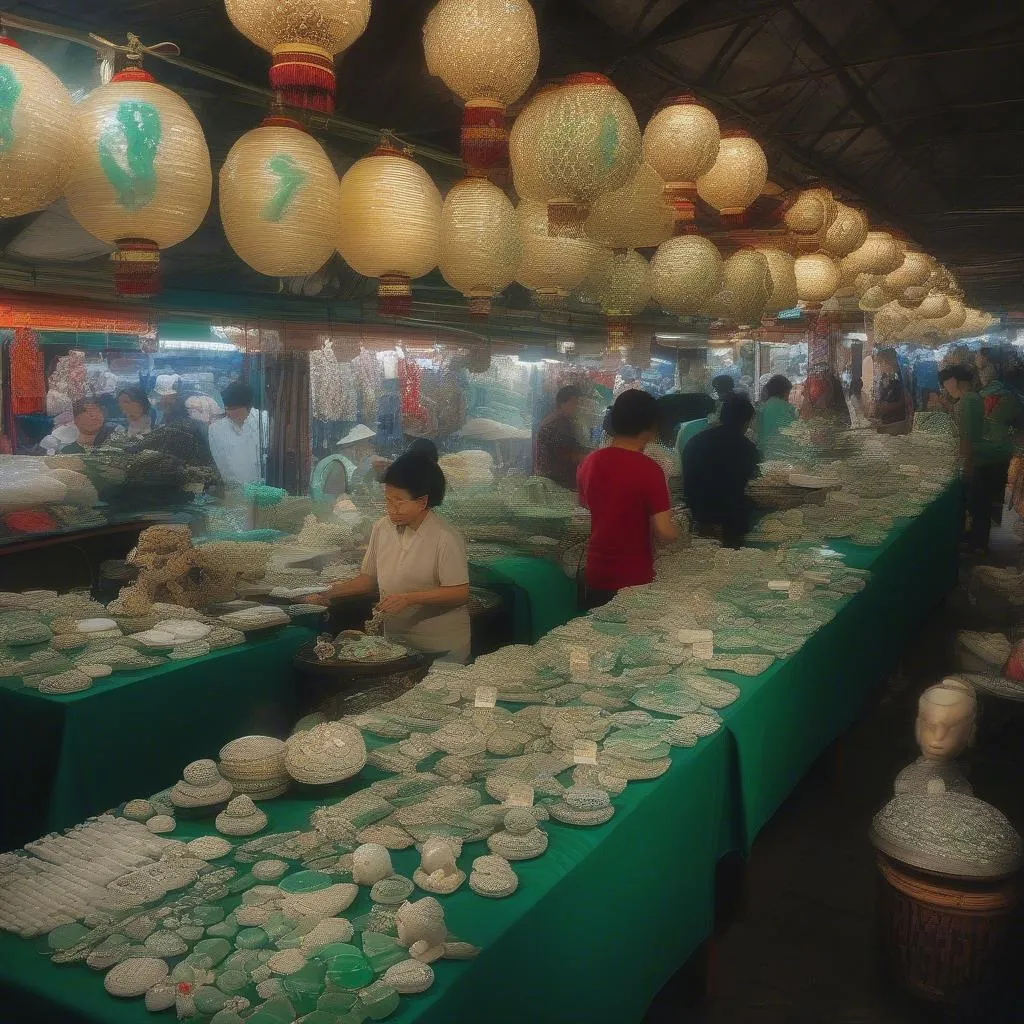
<point x="395" y="603"/>
<point x="323" y="599"/>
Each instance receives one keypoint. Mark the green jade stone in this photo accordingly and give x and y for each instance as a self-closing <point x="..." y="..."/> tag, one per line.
<point x="346" y="965"/>
<point x="184" y="971"/>
<point x="208" y="913"/>
<point x="191" y="932"/>
<point x="66" y="935"/>
<point x="274" y="1011"/>
<point x="242" y="960"/>
<point x="379" y="1000"/>
<point x="383" y="951"/>
<point x="305" y="986"/>
<point x="278" y="925"/>
<point x="306" y="881"/>
<point x="321" y="1017"/>
<point x="210" y="952"/>
<point x="380" y="919"/>
<point x="226" y="929"/>
<point x="225" y="1017"/>
<point x="252" y="938"/>
<point x="232" y="981"/>
<point x="337" y="1002"/>
<point x="209" y="999"/>
<point x="240" y="883"/>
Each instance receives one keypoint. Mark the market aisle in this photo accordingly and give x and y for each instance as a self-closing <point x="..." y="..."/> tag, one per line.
<point x="802" y="950"/>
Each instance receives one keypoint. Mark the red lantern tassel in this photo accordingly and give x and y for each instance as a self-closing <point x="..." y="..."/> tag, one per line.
<point x="136" y="268"/>
<point x="479" y="306"/>
<point x="304" y="77"/>
<point x="394" y="295"/>
<point x="618" y="331"/>
<point x="485" y="140"/>
<point x="28" y="384"/>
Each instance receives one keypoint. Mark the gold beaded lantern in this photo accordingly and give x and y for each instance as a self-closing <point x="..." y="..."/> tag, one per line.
<point x="954" y="318"/>
<point x="551" y="267"/>
<point x="681" y="143"/>
<point x="141" y="179"/>
<point x="846" y="233"/>
<point x="38" y="128"/>
<point x="279" y="200"/>
<point x="890" y="321"/>
<point x="809" y="217"/>
<point x="737" y="176"/>
<point x="685" y="272"/>
<point x="390" y="224"/>
<point x="486" y="52"/>
<point x="634" y="216"/>
<point x="745" y="290"/>
<point x="480" y="246"/>
<point x="817" y="278"/>
<point x="303" y="38"/>
<point x="586" y="141"/>
<point x="873" y="298"/>
<point x="934" y="307"/>
<point x="624" y="291"/>
<point x="526" y="178"/>
<point x="782" y="268"/>
<point x="879" y="254"/>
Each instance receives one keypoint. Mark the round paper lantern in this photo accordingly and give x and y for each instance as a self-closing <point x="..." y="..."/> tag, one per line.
<point x="681" y="143"/>
<point x="745" y="290"/>
<point x="810" y="216"/>
<point x="635" y="216"/>
<point x="890" y="321"/>
<point x="737" y="176"/>
<point x="480" y="246"/>
<point x="37" y="132"/>
<point x="526" y="176"/>
<point x="782" y="269"/>
<point x="912" y="296"/>
<point x="303" y="37"/>
<point x="551" y="267"/>
<point x="141" y="179"/>
<point x="879" y="254"/>
<point x="934" y="306"/>
<point x="954" y="319"/>
<point x="873" y="299"/>
<point x="914" y="271"/>
<point x="279" y="200"/>
<point x="817" y="278"/>
<point x="846" y="233"/>
<point x="625" y="291"/>
<point x="586" y="142"/>
<point x="685" y="272"/>
<point x="486" y="52"/>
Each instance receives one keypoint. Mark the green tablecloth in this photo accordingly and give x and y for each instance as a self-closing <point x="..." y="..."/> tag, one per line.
<point x="604" y="918"/>
<point x="131" y="733"/>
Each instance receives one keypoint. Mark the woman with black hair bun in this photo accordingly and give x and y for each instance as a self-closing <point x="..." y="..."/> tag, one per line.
<point x="417" y="562"/>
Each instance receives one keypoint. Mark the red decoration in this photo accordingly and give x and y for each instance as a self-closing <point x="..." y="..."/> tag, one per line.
<point x="1014" y="667"/>
<point x="28" y="384"/>
<point x="136" y="268"/>
<point x="410" y="381"/>
<point x="485" y="140"/>
<point x="29" y="520"/>
<point x="304" y="77"/>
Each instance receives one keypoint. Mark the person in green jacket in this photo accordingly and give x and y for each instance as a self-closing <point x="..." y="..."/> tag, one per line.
<point x="774" y="414"/>
<point x="986" y="447"/>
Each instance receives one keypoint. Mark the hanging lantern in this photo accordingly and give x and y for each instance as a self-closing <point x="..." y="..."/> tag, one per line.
<point x="782" y="270"/>
<point x="585" y="141"/>
<point x="486" y="52"/>
<point x="934" y="306"/>
<point x="303" y="38"/>
<point x="846" y="233"/>
<point x="745" y="290"/>
<point x="914" y="271"/>
<point x="873" y="299"/>
<point x="810" y="216"/>
<point x="737" y="176"/>
<point x="390" y="224"/>
<point x="480" y="246"/>
<point x="879" y="254"/>
<point x="681" y="143"/>
<point x="551" y="267"/>
<point x="685" y="272"/>
<point x="817" y="278"/>
<point x="37" y="132"/>
<point x="634" y="216"/>
<point x="890" y="321"/>
<point x="912" y="296"/>
<point x="954" y="318"/>
<point x="279" y="200"/>
<point x="624" y="292"/>
<point x="141" y="179"/>
<point x="526" y="176"/>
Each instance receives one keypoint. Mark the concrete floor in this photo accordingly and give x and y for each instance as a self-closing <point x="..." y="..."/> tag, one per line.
<point x="800" y="947"/>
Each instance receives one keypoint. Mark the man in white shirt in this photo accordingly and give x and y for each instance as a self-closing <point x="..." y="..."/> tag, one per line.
<point x="235" y="439"/>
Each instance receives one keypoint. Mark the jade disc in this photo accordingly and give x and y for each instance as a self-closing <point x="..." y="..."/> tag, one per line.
<point x="306" y="881"/>
<point x="346" y="966"/>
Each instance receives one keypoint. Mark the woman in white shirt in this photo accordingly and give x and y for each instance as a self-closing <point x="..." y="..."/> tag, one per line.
<point x="418" y="564"/>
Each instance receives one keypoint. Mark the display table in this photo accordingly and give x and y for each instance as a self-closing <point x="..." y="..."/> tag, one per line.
<point x="62" y="750"/>
<point x="607" y="915"/>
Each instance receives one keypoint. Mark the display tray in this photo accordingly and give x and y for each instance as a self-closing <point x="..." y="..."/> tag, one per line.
<point x="306" y="660"/>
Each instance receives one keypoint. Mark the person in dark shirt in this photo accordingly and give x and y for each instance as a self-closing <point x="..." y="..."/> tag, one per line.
<point x="717" y="466"/>
<point x="891" y="399"/>
<point x="558" y="453"/>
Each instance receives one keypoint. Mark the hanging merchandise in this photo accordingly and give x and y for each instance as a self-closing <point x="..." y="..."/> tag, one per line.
<point x="141" y="180"/>
<point x="782" y="269"/>
<point x="908" y="281"/>
<point x="817" y="278"/>
<point x="583" y="140"/>
<point x="685" y="272"/>
<point x="390" y="224"/>
<point x="846" y="233"/>
<point x="551" y="266"/>
<point x="410" y="387"/>
<point x="625" y="291"/>
<point x="880" y="253"/>
<point x="634" y="216"/>
<point x="332" y="386"/>
<point x="486" y="52"/>
<point x="480" y="246"/>
<point x="681" y="143"/>
<point x="745" y="290"/>
<point x="809" y="217"/>
<point x="736" y="178"/>
<point x="303" y="38"/>
<point x="28" y="384"/>
<point x="522" y="140"/>
<point x="279" y="200"/>
<point x="37" y="132"/>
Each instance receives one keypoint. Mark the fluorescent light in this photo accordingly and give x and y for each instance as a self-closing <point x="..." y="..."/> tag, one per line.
<point x="174" y="345"/>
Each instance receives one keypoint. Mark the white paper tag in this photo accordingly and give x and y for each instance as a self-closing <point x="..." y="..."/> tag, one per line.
<point x="486" y="697"/>
<point x="579" y="661"/>
<point x="695" y="636"/>
<point x="520" y="794"/>
<point x="779" y="585"/>
<point x="584" y="752"/>
<point x="704" y="650"/>
<point x="798" y="591"/>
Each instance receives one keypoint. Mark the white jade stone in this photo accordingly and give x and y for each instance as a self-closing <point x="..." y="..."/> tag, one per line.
<point x="94" y="625"/>
<point x="184" y="629"/>
<point x="135" y="976"/>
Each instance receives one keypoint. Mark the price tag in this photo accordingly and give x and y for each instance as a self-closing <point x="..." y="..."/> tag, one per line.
<point x="519" y="795"/>
<point x="798" y="591"/>
<point x="779" y="585"/>
<point x="584" y="752"/>
<point x="695" y="636"/>
<point x="704" y="650"/>
<point x="579" y="661"/>
<point x="486" y="696"/>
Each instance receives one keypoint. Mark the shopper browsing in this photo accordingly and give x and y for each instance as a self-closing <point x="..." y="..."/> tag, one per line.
<point x="628" y="500"/>
<point x="235" y="440"/>
<point x="558" y="453"/>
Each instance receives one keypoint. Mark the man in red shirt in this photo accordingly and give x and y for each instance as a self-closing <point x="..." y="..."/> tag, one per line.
<point x="628" y="500"/>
